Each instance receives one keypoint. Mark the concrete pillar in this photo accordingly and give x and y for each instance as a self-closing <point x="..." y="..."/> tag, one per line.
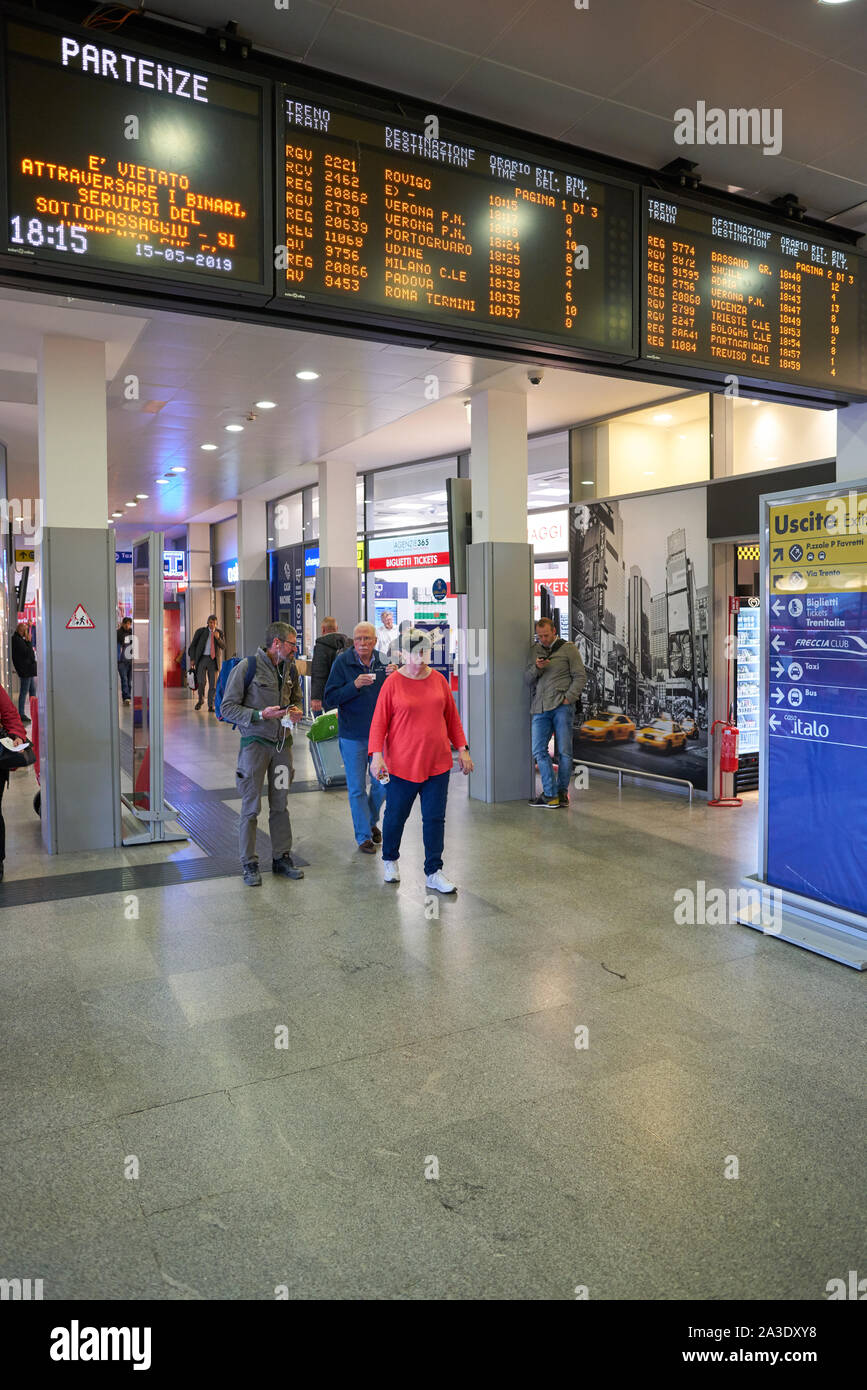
<point x="337" y="592"/>
<point x="499" y="599"/>
<point x="852" y="444"/>
<point x="252" y="591"/>
<point x="77" y="682"/>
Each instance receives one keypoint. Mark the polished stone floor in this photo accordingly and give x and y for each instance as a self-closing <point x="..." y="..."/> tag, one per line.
<point x="336" y="1086"/>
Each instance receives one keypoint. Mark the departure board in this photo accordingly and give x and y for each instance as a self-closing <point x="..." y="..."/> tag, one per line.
<point x="747" y="299"/>
<point x="123" y="159"/>
<point x="404" y="223"/>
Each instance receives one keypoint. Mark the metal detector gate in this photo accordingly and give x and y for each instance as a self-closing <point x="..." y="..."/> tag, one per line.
<point x="146" y="800"/>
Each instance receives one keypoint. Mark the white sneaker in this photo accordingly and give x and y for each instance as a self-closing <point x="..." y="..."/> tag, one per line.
<point x="392" y="872"/>
<point x="440" y="883"/>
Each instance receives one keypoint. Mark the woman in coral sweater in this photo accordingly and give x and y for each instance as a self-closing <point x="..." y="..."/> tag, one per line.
<point x="416" y="725"/>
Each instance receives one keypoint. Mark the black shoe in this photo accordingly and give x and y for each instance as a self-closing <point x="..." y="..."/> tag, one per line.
<point x="252" y="877"/>
<point x="1" y="871"/>
<point x="376" y="835"/>
<point x="211" y="709"/>
<point x="367" y="847"/>
<point x="285" y="865"/>
<point x="551" y="803"/>
<point x="199" y="705"/>
<point x="563" y="798"/>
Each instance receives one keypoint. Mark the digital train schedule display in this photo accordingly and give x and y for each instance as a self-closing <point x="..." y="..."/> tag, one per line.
<point x="747" y="300"/>
<point x="123" y="159"/>
<point x="399" y="222"/>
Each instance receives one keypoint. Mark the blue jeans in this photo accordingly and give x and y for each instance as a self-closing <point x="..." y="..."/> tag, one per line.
<point x="401" y="795"/>
<point x="558" y="721"/>
<point x="124" y="669"/>
<point x="27" y="687"/>
<point x="365" y="802"/>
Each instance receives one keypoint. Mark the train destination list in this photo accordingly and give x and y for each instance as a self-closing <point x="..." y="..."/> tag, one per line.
<point x="404" y="223"/>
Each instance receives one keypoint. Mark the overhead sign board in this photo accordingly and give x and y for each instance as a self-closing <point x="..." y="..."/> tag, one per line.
<point x="424" y="549"/>
<point x="126" y="158"/>
<point x="384" y="218"/>
<point x="739" y="297"/>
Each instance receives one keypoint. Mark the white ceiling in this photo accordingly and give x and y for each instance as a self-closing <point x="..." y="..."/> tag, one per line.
<point x="197" y="375"/>
<point x="609" y="77"/>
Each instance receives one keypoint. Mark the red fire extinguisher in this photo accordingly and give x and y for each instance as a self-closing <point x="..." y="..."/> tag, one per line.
<point x="728" y="759"/>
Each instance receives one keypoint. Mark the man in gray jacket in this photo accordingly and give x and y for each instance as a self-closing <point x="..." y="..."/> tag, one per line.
<point x="257" y="702"/>
<point x="556" y="676"/>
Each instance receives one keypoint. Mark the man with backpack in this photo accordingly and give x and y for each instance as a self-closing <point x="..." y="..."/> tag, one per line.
<point x="262" y="690"/>
<point x="555" y="674"/>
<point x="204" y="653"/>
<point x="326" y="650"/>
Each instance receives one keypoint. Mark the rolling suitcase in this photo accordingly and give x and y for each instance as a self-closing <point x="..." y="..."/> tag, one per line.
<point x="328" y="762"/>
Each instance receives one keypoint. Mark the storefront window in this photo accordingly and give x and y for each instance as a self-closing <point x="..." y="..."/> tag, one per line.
<point x="662" y="446"/>
<point x="411" y="498"/>
<point x="409" y="583"/>
<point x="548" y="470"/>
<point x="772" y="436"/>
<point x="285" y="521"/>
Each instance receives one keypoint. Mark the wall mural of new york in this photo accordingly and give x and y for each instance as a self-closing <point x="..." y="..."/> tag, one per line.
<point x="640" y="617"/>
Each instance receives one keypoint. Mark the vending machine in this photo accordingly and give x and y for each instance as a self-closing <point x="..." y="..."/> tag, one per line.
<point x="747" y="694"/>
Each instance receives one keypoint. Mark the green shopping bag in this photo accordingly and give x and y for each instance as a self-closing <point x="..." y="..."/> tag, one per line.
<point x="323" y="728"/>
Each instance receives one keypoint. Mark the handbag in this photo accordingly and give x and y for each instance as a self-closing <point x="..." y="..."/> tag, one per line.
<point x="191" y="679"/>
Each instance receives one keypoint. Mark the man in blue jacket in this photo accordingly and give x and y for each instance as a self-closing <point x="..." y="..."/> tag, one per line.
<point x="353" y="688"/>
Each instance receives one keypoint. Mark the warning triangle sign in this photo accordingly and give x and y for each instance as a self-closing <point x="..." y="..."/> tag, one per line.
<point x="80" y="618"/>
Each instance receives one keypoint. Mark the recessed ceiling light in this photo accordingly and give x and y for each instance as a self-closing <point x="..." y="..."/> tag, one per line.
<point x="208" y="447"/>
<point x="587" y="482"/>
<point x="307" y="376"/>
<point x="130" y="504"/>
<point x="754" y="404"/>
<point x="648" y="472"/>
<point x="771" y="459"/>
<point x="661" y="419"/>
<point x="235" y="429"/>
<point x="266" y="405"/>
<point x="142" y="496"/>
<point x="833" y="2"/>
<point x="163" y="482"/>
<point x="177" y="469"/>
<point x="117" y="513"/>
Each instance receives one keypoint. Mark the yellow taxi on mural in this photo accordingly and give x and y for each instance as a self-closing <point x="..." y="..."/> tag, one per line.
<point x="608" y="728"/>
<point x="664" y="735"/>
<point x="689" y="726"/>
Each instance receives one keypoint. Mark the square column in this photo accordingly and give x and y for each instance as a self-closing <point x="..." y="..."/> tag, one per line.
<point x="499" y="599"/>
<point x="77" y="682"/>
<point x="337" y="593"/>
<point x="252" y="590"/>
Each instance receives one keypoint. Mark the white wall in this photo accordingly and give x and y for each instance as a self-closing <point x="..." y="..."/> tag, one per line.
<point x="772" y="436"/>
<point x="647" y="456"/>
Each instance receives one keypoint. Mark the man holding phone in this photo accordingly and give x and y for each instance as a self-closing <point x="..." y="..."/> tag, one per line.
<point x="258" y="702"/>
<point x="556" y="676"/>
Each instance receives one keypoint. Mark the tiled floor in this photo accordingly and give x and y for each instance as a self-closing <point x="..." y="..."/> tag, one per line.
<point x="210" y="1091"/>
